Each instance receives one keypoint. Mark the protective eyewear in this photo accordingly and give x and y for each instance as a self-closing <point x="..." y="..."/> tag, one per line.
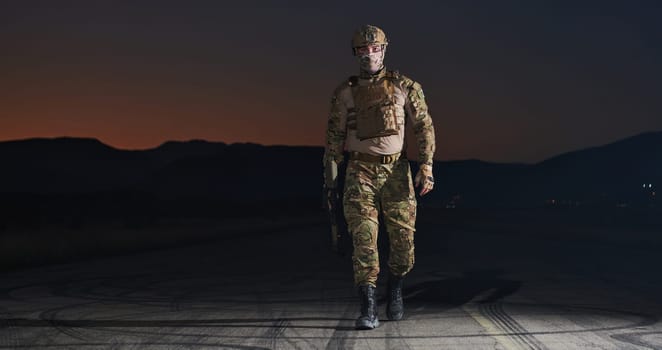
<point x="368" y="49"/>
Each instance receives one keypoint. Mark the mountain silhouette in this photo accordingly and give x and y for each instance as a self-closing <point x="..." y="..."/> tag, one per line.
<point x="254" y="173"/>
<point x="612" y="172"/>
<point x="173" y="150"/>
<point x="67" y="165"/>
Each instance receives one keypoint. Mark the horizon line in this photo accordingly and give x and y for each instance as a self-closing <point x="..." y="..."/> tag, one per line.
<point x="91" y="138"/>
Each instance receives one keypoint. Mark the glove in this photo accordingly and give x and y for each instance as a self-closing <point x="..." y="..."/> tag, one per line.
<point x="424" y="179"/>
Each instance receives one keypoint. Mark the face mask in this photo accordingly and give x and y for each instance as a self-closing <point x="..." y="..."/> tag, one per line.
<point x="371" y="59"/>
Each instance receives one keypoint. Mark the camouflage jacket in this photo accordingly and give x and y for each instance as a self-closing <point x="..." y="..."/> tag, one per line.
<point x="407" y="96"/>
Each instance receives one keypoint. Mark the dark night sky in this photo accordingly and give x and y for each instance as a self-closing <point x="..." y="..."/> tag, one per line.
<point x="514" y="81"/>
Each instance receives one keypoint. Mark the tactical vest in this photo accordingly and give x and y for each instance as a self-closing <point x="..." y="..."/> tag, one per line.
<point x="375" y="112"/>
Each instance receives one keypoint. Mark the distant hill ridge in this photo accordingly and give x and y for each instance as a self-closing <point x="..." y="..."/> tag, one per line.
<point x="248" y="171"/>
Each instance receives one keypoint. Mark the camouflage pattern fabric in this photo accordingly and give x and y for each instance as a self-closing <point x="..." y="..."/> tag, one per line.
<point x="416" y="109"/>
<point x="373" y="187"/>
<point x="369" y="189"/>
<point x="421" y="122"/>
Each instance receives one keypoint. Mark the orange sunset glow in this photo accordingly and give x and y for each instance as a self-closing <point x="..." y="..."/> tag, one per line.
<point x="501" y="86"/>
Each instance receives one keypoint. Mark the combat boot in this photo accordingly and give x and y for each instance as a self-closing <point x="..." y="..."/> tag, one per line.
<point x="395" y="308"/>
<point x="368" y="318"/>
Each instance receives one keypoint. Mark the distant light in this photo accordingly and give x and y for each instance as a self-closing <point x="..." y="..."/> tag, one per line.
<point x="650" y="185"/>
<point x="644" y="185"/>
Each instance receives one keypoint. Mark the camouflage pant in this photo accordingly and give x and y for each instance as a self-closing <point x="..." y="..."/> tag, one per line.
<point x="369" y="188"/>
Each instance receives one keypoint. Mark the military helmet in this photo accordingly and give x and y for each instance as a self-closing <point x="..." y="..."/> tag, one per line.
<point x="368" y="34"/>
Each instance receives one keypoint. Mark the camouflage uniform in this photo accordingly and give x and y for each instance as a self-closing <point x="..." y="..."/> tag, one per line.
<point x="368" y="114"/>
<point x="377" y="177"/>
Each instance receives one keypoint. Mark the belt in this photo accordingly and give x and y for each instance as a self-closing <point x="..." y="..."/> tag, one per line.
<point x="365" y="157"/>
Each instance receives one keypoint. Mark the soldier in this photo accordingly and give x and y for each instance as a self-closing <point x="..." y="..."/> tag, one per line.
<point x="368" y="115"/>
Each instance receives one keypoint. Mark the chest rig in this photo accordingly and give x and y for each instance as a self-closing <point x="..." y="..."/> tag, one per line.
<point x="377" y="111"/>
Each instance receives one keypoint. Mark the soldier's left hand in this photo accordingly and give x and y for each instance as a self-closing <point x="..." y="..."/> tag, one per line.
<point x="424" y="179"/>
